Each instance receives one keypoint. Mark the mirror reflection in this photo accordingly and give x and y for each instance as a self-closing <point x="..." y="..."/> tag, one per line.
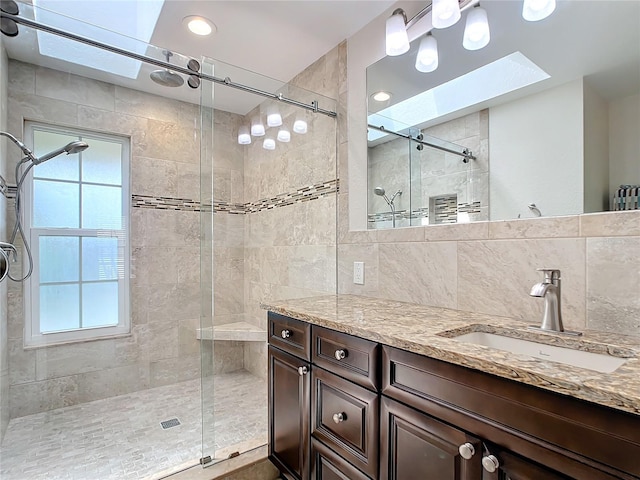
<point x="548" y="113"/>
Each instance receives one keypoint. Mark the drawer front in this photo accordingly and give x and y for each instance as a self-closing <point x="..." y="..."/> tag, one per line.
<point x="326" y="465"/>
<point x="345" y="417"/>
<point x="350" y="357"/>
<point x="290" y="335"/>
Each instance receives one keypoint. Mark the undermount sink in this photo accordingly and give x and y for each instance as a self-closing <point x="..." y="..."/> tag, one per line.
<point x="592" y="361"/>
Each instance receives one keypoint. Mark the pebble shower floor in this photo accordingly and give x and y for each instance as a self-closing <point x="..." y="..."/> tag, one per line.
<point x="120" y="438"/>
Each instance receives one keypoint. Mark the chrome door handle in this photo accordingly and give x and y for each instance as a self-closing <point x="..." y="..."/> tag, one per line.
<point x="339" y="417"/>
<point x="340" y="354"/>
<point x="303" y="371"/>
<point x="285" y="333"/>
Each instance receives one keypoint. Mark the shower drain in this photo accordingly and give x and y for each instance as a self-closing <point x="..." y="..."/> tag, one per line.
<point x="174" y="422"/>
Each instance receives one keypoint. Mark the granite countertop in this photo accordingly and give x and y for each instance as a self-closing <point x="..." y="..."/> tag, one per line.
<point x="424" y="330"/>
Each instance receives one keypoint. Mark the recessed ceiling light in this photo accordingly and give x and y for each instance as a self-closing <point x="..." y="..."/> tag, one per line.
<point x="381" y="96"/>
<point x="199" y="25"/>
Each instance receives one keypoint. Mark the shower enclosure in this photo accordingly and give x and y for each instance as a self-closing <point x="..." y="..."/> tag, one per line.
<point x="201" y="227"/>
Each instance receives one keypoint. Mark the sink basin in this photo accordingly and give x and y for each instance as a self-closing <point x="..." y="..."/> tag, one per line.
<point x="592" y="361"/>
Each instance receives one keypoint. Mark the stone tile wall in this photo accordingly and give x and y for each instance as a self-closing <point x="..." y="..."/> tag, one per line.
<point x="165" y="243"/>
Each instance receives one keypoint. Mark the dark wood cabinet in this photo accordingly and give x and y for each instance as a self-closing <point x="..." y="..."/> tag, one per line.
<point x="342" y="407"/>
<point x="414" y="445"/>
<point x="289" y="382"/>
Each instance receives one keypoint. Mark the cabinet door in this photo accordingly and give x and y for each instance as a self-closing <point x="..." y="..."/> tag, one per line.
<point x="513" y="467"/>
<point x="328" y="465"/>
<point x="289" y="383"/>
<point x="415" y="445"/>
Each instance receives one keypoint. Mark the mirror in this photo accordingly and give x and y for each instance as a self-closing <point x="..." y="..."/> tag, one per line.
<point x="550" y="111"/>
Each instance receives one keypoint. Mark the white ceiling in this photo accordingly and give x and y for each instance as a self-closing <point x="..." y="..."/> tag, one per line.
<point x="277" y="39"/>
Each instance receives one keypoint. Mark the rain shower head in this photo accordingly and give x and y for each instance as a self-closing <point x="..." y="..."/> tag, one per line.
<point x="70" y="148"/>
<point x="166" y="78"/>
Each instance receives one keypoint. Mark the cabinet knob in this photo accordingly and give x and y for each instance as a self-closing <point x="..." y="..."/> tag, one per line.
<point x="340" y="354"/>
<point x="466" y="451"/>
<point x="339" y="417"/>
<point x="303" y="371"/>
<point x="285" y="333"/>
<point x="490" y="463"/>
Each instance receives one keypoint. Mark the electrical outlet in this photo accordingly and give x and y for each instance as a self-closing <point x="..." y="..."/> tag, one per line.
<point x="358" y="273"/>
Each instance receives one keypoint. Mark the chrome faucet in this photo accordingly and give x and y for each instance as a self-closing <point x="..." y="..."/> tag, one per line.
<point x="549" y="289"/>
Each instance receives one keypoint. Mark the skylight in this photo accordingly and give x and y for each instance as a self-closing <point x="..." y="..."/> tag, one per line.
<point x="498" y="78"/>
<point x="124" y="24"/>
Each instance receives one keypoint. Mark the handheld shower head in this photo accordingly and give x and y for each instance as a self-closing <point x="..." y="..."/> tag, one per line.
<point x="379" y="191"/>
<point x="70" y="148"/>
<point x="20" y="145"/>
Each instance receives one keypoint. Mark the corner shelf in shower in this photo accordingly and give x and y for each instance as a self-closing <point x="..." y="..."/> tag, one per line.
<point x="238" y="332"/>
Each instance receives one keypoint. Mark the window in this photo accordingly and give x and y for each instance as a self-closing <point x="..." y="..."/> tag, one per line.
<point x="77" y="215"/>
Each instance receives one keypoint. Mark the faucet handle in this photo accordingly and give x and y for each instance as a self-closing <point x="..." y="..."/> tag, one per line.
<point x="550" y="274"/>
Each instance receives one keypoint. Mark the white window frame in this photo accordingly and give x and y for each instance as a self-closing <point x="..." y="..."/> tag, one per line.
<point x="33" y="337"/>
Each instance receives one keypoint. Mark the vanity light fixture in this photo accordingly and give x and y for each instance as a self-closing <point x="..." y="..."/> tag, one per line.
<point x="269" y="144"/>
<point x="445" y="13"/>
<point x="427" y="58"/>
<point x="476" y="30"/>
<point x="199" y="25"/>
<point x="244" y="138"/>
<point x="284" y="135"/>
<point x="397" y="38"/>
<point x="257" y="127"/>
<point x="534" y="10"/>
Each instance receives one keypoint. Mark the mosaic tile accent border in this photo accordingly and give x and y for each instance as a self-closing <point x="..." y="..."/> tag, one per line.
<point x="304" y="194"/>
<point x="447" y="214"/>
<point x="4" y="188"/>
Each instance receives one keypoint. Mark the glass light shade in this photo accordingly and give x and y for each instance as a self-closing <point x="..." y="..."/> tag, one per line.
<point x="257" y="128"/>
<point x="427" y="58"/>
<point x="274" y="119"/>
<point x="476" y="30"/>
<point x="445" y="13"/>
<point x="269" y="144"/>
<point x="300" y="126"/>
<point x="397" y="41"/>
<point x="243" y="136"/>
<point x="534" y="10"/>
<point x="284" y="135"/>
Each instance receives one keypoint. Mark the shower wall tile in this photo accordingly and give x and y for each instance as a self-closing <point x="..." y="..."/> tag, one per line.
<point x="22" y="77"/>
<point x="34" y="397"/>
<point x="74" y="89"/>
<point x="141" y="104"/>
<point x="110" y="382"/>
<point x="188" y="344"/>
<point x="173" y="370"/>
<point x="170" y="142"/>
<point x="22" y="106"/>
<point x="64" y="360"/>
<point x="23" y="363"/>
<point x="255" y="354"/>
<point x="116" y="123"/>
<point x="154" y="177"/>
<point x="460" y="231"/>
<point x="164" y="228"/>
<point x="424" y="273"/>
<point x="495" y="277"/>
<point x="613" y="289"/>
<point x="610" y="224"/>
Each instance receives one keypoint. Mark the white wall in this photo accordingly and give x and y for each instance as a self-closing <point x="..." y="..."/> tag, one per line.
<point x="537" y="154"/>
<point x="596" y="152"/>
<point x="624" y="141"/>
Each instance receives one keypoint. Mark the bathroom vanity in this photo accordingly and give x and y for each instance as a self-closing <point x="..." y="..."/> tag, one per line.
<point x="362" y="388"/>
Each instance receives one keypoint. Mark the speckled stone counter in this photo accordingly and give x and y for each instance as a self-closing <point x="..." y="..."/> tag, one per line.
<point x="424" y="330"/>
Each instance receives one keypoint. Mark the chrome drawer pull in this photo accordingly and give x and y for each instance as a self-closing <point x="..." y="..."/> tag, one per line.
<point x="339" y="417"/>
<point x="285" y="333"/>
<point x="490" y="463"/>
<point x="466" y="451"/>
<point x="303" y="371"/>
<point x="340" y="354"/>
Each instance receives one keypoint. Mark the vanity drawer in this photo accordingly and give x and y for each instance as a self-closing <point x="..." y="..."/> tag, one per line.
<point x="327" y="465"/>
<point x="290" y="335"/>
<point x="345" y="417"/>
<point x="350" y="357"/>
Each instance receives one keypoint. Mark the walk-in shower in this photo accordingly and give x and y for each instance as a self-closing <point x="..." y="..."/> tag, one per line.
<point x="202" y="229"/>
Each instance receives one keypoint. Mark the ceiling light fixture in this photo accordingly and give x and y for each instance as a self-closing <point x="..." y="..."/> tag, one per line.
<point x="284" y="135"/>
<point x="199" y="25"/>
<point x="381" y="96"/>
<point x="534" y="10"/>
<point x="445" y="13"/>
<point x="476" y="30"/>
<point x="269" y="144"/>
<point x="300" y="126"/>
<point x="274" y="119"/>
<point x="243" y="136"/>
<point x="257" y="127"/>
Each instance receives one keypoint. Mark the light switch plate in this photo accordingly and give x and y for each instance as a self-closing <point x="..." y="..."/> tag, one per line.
<point x="358" y="273"/>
